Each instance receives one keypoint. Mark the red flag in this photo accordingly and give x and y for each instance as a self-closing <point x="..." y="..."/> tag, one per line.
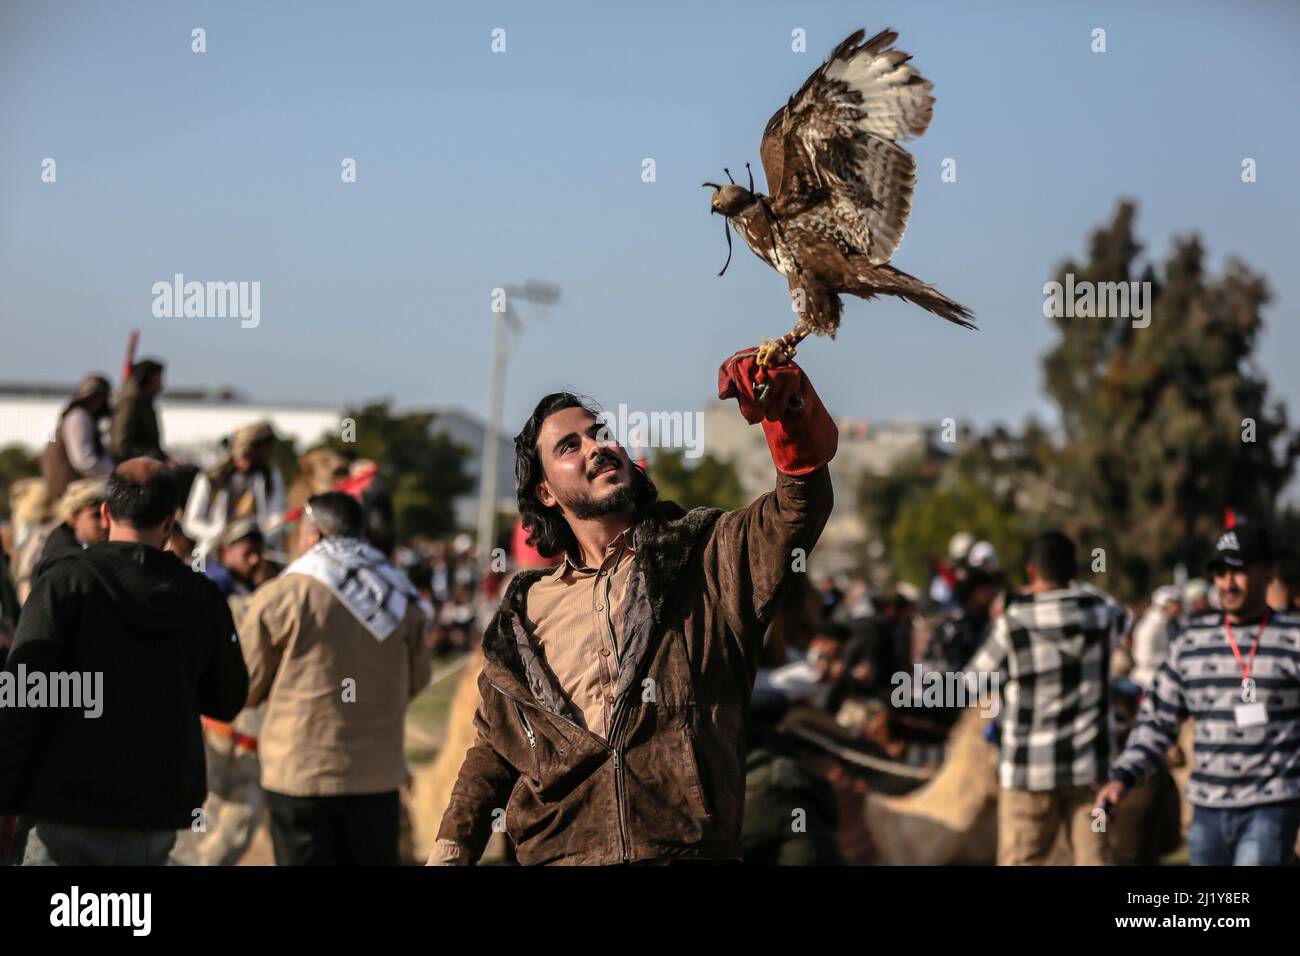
<point x="129" y="362"/>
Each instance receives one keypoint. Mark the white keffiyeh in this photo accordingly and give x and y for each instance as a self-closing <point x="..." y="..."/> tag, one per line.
<point x="360" y="576"/>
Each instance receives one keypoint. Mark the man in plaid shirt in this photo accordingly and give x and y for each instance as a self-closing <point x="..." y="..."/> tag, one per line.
<point x="1051" y="651"/>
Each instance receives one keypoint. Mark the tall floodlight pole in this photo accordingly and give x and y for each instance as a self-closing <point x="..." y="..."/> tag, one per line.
<point x="538" y="293"/>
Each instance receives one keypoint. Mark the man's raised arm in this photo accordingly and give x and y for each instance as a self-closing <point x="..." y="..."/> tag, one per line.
<point x="752" y="552"/>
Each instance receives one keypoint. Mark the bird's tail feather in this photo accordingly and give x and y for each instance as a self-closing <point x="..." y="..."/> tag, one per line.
<point x="886" y="280"/>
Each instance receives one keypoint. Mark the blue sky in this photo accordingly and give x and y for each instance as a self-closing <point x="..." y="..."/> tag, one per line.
<point x="478" y="169"/>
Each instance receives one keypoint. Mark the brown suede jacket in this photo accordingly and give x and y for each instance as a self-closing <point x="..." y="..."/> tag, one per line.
<point x="669" y="783"/>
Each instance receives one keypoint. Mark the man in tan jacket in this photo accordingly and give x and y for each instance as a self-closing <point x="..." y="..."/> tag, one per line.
<point x="336" y="647"/>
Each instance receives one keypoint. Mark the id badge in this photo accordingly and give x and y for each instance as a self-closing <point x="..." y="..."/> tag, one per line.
<point x="1250" y="715"/>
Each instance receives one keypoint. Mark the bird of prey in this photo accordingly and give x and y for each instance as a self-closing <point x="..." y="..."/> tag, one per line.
<point x="841" y="188"/>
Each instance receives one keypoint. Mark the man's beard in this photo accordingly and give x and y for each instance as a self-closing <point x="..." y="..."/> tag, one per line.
<point x="589" y="506"/>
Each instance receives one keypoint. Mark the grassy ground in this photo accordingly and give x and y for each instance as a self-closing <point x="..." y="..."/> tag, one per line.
<point x="426" y="719"/>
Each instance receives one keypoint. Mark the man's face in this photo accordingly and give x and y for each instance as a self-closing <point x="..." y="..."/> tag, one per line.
<point x="1173" y="609"/>
<point x="587" y="473"/>
<point x="1242" y="590"/>
<point x="242" y="557"/>
<point x="88" y="525"/>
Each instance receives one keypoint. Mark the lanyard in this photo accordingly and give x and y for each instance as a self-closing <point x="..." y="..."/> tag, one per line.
<point x="1236" y="652"/>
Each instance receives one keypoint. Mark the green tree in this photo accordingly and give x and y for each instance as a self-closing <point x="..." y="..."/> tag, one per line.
<point x="424" y="468"/>
<point x="709" y="482"/>
<point x="882" y="496"/>
<point x="928" y="520"/>
<point x="1163" y="427"/>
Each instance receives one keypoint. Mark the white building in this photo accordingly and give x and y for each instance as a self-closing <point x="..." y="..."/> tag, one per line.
<point x="193" y="424"/>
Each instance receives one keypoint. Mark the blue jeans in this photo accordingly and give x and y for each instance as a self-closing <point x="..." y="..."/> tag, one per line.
<point x="1249" y="836"/>
<point x="68" y="844"/>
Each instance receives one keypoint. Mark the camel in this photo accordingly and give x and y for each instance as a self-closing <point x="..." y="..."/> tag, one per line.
<point x="432" y="784"/>
<point x="953" y="817"/>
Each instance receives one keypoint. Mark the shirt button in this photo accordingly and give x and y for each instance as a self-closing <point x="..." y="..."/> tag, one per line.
<point x="609" y="700"/>
<point x="600" y="607"/>
<point x="604" y="652"/>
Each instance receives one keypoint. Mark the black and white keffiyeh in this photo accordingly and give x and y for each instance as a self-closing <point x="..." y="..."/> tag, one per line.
<point x="360" y="576"/>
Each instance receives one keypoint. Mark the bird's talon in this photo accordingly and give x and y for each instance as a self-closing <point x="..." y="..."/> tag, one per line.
<point x="773" y="352"/>
<point x="768" y="353"/>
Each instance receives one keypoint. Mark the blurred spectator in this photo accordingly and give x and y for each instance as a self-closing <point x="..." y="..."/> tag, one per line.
<point x="959" y="546"/>
<point x="780" y="786"/>
<point x="456" y="621"/>
<point x="440" y="573"/>
<point x="1237" y="674"/>
<point x="377" y="501"/>
<point x="1196" y="598"/>
<point x="831" y="597"/>
<point x="335" y="645"/>
<point x="81" y="523"/>
<point x="982" y="555"/>
<point x="236" y="804"/>
<point x="76" y="449"/>
<point x="244" y="485"/>
<point x="135" y="432"/>
<point x="234" y="570"/>
<point x="1284" y="589"/>
<point x="1154" y="633"/>
<point x="114" y="789"/>
<point x="960" y="631"/>
<point x="421" y="577"/>
<point x="9" y="605"/>
<point x="856" y="604"/>
<point x="1051" y="651"/>
<point x="179" y="543"/>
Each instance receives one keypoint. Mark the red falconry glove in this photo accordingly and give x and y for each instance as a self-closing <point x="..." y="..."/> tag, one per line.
<point x="800" y="433"/>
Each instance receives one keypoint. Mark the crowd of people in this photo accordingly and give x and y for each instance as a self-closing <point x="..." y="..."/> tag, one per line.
<point x="1093" y="694"/>
<point x="258" y="660"/>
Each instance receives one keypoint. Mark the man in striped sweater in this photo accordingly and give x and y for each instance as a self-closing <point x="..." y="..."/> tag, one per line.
<point x="1237" y="674"/>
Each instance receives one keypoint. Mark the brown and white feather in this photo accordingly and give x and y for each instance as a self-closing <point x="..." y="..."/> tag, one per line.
<point x="831" y="152"/>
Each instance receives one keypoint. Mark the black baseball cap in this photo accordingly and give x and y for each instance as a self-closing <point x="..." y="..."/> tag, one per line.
<point x="1241" y="545"/>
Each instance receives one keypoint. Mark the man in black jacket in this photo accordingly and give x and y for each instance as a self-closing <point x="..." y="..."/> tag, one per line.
<point x="119" y="650"/>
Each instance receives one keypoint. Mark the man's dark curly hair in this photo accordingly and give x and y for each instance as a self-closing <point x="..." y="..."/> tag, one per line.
<point x="547" y="529"/>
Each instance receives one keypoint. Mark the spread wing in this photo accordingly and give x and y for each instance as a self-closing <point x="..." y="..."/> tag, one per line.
<point x="833" y="144"/>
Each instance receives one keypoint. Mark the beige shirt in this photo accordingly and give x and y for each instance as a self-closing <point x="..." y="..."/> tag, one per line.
<point x="322" y="736"/>
<point x="575" y="615"/>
